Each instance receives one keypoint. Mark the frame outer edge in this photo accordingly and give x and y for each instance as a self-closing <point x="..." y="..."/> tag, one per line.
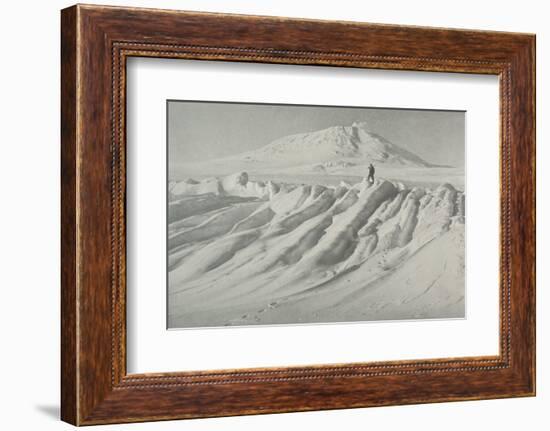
<point x="69" y="201"/>
<point x="523" y="217"/>
<point x="533" y="53"/>
<point x="532" y="101"/>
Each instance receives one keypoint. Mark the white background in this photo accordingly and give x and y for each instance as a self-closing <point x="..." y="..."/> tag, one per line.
<point x="152" y="349"/>
<point x="29" y="224"/>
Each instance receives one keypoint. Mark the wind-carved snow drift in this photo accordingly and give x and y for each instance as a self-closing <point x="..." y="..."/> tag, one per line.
<point x="249" y="252"/>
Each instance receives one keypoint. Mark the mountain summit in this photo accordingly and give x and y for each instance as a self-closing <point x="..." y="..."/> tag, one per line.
<point x="354" y="144"/>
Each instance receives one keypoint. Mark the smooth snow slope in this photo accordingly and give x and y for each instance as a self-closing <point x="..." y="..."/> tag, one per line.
<point x="338" y="144"/>
<point x="243" y="252"/>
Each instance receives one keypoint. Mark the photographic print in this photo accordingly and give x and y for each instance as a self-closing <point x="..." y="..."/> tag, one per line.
<point x="296" y="214"/>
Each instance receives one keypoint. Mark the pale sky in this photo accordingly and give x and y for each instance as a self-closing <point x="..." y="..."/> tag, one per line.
<point x="200" y="131"/>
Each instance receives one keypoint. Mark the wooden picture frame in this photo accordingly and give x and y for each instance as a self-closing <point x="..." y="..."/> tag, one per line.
<point x="96" y="41"/>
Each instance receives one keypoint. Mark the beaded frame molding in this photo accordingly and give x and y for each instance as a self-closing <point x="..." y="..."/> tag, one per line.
<point x="95" y="43"/>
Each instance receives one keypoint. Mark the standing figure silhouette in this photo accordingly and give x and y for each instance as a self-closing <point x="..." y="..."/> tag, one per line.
<point x="370" y="178"/>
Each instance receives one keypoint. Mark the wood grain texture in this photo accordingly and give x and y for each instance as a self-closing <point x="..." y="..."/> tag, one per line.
<point x="96" y="41"/>
<point x="69" y="367"/>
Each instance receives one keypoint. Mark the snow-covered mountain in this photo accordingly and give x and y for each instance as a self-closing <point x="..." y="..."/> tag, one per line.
<point x="334" y="146"/>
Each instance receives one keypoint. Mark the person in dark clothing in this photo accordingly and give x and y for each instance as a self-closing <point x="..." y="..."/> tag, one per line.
<point x="370" y="178"/>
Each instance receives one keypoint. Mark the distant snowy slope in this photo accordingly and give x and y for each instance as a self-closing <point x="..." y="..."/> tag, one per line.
<point x="338" y="144"/>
